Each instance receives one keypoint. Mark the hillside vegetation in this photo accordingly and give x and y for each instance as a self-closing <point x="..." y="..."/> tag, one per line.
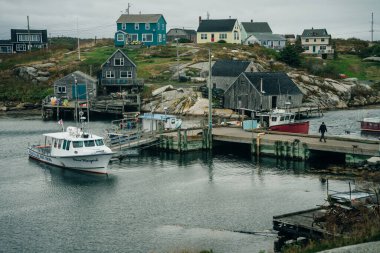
<point x="156" y="65"/>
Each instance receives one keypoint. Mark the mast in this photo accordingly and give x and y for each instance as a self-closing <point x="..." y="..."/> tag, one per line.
<point x="209" y="100"/>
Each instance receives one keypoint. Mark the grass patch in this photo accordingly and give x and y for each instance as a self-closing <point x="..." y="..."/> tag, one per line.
<point x="353" y="66"/>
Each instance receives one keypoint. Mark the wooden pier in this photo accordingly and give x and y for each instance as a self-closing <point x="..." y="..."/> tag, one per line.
<point x="282" y="145"/>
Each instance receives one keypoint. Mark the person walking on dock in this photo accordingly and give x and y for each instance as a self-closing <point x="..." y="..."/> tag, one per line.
<point x="322" y="130"/>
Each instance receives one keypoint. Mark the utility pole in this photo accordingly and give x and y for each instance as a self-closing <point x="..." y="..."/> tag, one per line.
<point x="178" y="62"/>
<point x="78" y="41"/>
<point x="30" y="47"/>
<point x="209" y="100"/>
<point x="372" y="29"/>
<point x="127" y="10"/>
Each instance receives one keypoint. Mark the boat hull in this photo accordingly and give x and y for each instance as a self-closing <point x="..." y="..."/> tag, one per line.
<point x="296" y="127"/>
<point x="96" y="163"/>
<point x="370" y="126"/>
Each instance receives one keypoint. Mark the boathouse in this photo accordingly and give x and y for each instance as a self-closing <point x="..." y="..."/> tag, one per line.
<point x="224" y="72"/>
<point x="262" y="91"/>
<point x="75" y="85"/>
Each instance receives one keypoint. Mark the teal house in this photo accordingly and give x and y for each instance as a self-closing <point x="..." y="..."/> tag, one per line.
<point x="145" y="29"/>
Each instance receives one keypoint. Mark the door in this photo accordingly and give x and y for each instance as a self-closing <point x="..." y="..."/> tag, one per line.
<point x="313" y="49"/>
<point x="80" y="89"/>
<point x="274" y="102"/>
<point x="212" y="37"/>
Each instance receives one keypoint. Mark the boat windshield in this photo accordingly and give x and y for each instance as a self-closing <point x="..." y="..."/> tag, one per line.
<point x="89" y="143"/>
<point x="99" y="142"/>
<point x="77" y="144"/>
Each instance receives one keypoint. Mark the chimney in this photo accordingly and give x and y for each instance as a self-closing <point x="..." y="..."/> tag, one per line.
<point x="230" y="17"/>
<point x="200" y="19"/>
<point x="251" y="20"/>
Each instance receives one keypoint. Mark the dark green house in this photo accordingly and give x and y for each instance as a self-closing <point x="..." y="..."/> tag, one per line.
<point x="145" y="29"/>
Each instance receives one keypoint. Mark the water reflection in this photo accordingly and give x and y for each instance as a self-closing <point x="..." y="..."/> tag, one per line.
<point x="60" y="176"/>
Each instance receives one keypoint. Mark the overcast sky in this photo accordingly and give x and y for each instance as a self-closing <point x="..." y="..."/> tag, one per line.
<point x="341" y="18"/>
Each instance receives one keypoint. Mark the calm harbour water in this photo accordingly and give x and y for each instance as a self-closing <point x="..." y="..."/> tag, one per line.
<point x="154" y="202"/>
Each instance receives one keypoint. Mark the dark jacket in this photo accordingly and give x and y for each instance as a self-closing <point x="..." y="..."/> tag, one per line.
<point x="322" y="128"/>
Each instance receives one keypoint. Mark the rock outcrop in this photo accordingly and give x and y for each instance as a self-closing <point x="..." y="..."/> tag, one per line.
<point x="37" y="73"/>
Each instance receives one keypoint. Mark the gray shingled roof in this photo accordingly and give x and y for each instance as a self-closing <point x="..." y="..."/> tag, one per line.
<point x="274" y="83"/>
<point x="314" y="33"/>
<point x="229" y="68"/>
<point x="216" y="25"/>
<point x="139" y="18"/>
<point x="268" y="36"/>
<point x="256" y="27"/>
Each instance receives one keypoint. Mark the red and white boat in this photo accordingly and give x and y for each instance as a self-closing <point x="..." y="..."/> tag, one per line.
<point x="370" y="124"/>
<point x="282" y="121"/>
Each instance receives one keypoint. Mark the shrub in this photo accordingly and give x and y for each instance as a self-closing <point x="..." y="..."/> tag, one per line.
<point x="221" y="41"/>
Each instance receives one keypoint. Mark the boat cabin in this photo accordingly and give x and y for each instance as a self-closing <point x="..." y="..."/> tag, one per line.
<point x="153" y="122"/>
<point x="370" y="124"/>
<point x="276" y="117"/>
<point x="71" y="142"/>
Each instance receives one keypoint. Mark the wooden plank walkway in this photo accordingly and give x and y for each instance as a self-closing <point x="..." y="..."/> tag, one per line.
<point x="333" y="144"/>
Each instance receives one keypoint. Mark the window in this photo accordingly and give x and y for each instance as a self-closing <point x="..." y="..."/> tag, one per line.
<point x="305" y="48"/>
<point x="323" y="47"/>
<point x="147" y="37"/>
<point x="203" y="36"/>
<point x="223" y="36"/>
<point x="64" y="144"/>
<point x="274" y="118"/>
<point x="147" y="26"/>
<point x="61" y="89"/>
<point x="119" y="62"/>
<point x="125" y="74"/>
<point x="158" y="26"/>
<point x="163" y="26"/>
<point x="99" y="142"/>
<point x="133" y="37"/>
<point x="33" y="37"/>
<point x="164" y="37"/>
<point x="20" y="47"/>
<point x="315" y="40"/>
<point x="124" y="26"/>
<point x="89" y="143"/>
<point x="68" y="145"/>
<point x="236" y="35"/>
<point x="120" y="37"/>
<point x="323" y="40"/>
<point x="159" y="38"/>
<point x="77" y="144"/>
<point x="110" y="74"/>
<point x="306" y="40"/>
<point x="282" y="118"/>
<point x="287" y="117"/>
<point x="137" y="26"/>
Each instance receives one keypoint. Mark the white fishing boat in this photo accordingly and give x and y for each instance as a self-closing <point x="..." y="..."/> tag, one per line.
<point x="73" y="149"/>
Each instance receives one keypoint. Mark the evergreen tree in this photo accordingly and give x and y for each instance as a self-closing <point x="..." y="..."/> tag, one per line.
<point x="290" y="56"/>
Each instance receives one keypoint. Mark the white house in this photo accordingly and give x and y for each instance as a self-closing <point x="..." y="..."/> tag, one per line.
<point x="316" y="42"/>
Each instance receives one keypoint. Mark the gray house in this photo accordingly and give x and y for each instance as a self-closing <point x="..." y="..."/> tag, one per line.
<point x="76" y="84"/>
<point x="251" y="28"/>
<point x="179" y="33"/>
<point x="268" y="40"/>
<point x="119" y="74"/>
<point x="262" y="91"/>
<point x="225" y="72"/>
